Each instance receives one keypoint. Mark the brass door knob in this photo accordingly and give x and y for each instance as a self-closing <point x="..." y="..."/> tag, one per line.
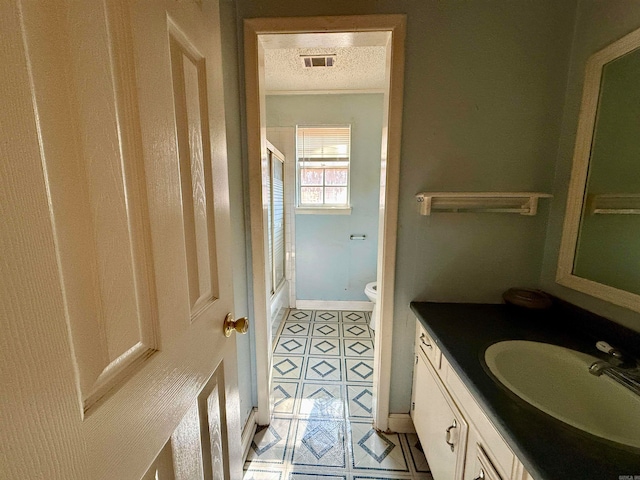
<point x="241" y="325"/>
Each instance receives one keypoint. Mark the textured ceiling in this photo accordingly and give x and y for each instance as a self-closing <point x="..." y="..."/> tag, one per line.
<point x="356" y="68"/>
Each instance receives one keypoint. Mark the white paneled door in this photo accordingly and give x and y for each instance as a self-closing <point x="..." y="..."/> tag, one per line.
<point x="115" y="274"/>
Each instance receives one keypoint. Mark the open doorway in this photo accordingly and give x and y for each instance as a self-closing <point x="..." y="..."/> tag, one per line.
<point x="301" y="35"/>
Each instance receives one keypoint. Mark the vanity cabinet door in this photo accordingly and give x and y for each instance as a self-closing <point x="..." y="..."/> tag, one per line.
<point x="440" y="426"/>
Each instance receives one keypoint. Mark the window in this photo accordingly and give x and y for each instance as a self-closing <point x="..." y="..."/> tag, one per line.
<point x="323" y="166"/>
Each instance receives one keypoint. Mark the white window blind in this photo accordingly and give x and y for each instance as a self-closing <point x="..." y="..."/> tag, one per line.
<point x="323" y="154"/>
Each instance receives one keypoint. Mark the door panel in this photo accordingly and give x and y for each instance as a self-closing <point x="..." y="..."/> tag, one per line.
<point x="196" y="449"/>
<point x="185" y="445"/>
<point x="103" y="244"/>
<point x="130" y="197"/>
<point x="191" y="114"/>
<point x="214" y="435"/>
<point x="162" y="468"/>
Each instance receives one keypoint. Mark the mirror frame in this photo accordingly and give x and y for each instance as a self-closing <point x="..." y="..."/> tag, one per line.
<point x="579" y="174"/>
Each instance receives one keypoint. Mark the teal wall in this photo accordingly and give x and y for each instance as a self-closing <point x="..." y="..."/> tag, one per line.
<point x="484" y="91"/>
<point x="598" y="24"/>
<point x="484" y="109"/>
<point x="329" y="266"/>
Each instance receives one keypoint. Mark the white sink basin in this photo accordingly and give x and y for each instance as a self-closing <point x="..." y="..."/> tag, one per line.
<point x="557" y="381"/>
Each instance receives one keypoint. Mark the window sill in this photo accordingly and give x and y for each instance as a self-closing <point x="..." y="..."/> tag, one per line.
<point x="323" y="210"/>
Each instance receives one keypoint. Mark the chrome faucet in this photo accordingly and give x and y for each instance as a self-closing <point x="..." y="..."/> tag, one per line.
<point x="626" y="373"/>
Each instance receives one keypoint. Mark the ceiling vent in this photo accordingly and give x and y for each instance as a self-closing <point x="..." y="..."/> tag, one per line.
<point x="312" y="61"/>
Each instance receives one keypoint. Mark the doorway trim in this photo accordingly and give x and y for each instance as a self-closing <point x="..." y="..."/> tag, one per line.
<point x="389" y="188"/>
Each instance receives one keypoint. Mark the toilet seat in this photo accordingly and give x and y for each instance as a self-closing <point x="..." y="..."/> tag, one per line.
<point x="371" y="289"/>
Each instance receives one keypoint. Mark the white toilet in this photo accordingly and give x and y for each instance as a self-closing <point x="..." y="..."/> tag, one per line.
<point x="371" y="291"/>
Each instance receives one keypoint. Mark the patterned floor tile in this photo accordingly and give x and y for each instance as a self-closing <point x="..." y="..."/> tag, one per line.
<point x="358" y="348"/>
<point x="327" y="316"/>
<point x="312" y="476"/>
<point x="322" y="400"/>
<point x="320" y="443"/>
<point x="287" y="368"/>
<point x="419" y="462"/>
<point x="284" y="396"/>
<point x="325" y="369"/>
<point x="359" y="369"/>
<point x="332" y="352"/>
<point x="360" y="399"/>
<point x="298" y="329"/>
<point x="269" y="444"/>
<point x="271" y="474"/>
<point x="300" y="315"/>
<point x="354" y="317"/>
<point x="372" y="450"/>
<point x="356" y="330"/>
<point x="324" y="330"/>
<point x="325" y="346"/>
<point x="291" y="346"/>
<point x="392" y="476"/>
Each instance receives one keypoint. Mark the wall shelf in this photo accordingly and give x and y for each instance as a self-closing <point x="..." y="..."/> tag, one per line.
<point x="524" y="203"/>
<point x="614" y="203"/>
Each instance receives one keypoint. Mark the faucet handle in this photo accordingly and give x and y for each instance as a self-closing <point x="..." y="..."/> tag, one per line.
<point x="606" y="348"/>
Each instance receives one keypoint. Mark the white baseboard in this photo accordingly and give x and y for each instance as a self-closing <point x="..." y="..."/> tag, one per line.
<point x="401" y="423"/>
<point x="334" y="305"/>
<point x="248" y="432"/>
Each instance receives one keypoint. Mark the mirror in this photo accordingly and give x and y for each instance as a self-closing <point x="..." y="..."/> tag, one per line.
<point x="600" y="250"/>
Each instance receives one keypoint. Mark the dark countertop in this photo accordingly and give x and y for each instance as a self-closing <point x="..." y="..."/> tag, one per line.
<point x="548" y="448"/>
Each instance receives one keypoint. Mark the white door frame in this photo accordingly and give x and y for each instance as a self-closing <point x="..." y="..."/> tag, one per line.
<point x="390" y="172"/>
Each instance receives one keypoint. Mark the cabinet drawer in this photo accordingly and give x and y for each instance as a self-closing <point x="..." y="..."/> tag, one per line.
<point x="426" y="345"/>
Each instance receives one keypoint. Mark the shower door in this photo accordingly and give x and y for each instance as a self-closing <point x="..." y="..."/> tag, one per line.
<point x="277" y="246"/>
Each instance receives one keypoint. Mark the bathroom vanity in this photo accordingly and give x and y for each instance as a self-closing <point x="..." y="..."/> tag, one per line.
<point x="472" y="427"/>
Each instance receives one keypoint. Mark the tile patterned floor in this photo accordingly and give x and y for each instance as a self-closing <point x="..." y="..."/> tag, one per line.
<point x="322" y="392"/>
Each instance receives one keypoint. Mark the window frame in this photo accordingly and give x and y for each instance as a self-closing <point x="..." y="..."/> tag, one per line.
<point x="323" y="208"/>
